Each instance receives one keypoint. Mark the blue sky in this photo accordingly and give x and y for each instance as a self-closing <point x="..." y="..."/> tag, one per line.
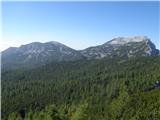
<point x="77" y="24"/>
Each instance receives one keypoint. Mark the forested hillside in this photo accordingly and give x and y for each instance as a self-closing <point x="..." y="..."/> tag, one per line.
<point x="105" y="89"/>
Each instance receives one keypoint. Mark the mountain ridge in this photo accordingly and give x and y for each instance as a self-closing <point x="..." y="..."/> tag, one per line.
<point x="116" y="44"/>
<point x="38" y="53"/>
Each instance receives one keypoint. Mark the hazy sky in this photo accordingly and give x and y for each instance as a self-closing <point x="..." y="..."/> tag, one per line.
<point x="77" y="24"/>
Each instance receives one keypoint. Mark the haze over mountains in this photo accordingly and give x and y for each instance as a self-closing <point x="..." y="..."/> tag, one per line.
<point x="37" y="53"/>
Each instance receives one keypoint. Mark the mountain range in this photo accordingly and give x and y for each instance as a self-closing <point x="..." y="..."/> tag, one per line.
<point x="118" y="80"/>
<point x="37" y="53"/>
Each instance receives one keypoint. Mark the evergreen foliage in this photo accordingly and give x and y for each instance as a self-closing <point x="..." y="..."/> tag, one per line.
<point x="106" y="89"/>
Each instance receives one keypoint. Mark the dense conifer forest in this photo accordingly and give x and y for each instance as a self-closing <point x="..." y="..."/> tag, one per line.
<point x="105" y="89"/>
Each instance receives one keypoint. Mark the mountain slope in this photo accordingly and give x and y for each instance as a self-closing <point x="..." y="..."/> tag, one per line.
<point x="36" y="54"/>
<point x="103" y="89"/>
<point x="122" y="47"/>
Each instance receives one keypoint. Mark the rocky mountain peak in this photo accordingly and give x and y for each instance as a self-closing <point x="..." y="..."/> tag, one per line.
<point x="123" y="47"/>
<point x="125" y="40"/>
<point x="42" y="53"/>
<point x="54" y="42"/>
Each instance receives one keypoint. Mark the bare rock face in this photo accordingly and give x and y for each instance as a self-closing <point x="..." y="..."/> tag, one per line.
<point x="36" y="53"/>
<point x="122" y="47"/>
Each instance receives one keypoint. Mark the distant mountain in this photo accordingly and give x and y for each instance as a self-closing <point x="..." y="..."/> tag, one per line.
<point x="122" y="47"/>
<point x="37" y="53"/>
